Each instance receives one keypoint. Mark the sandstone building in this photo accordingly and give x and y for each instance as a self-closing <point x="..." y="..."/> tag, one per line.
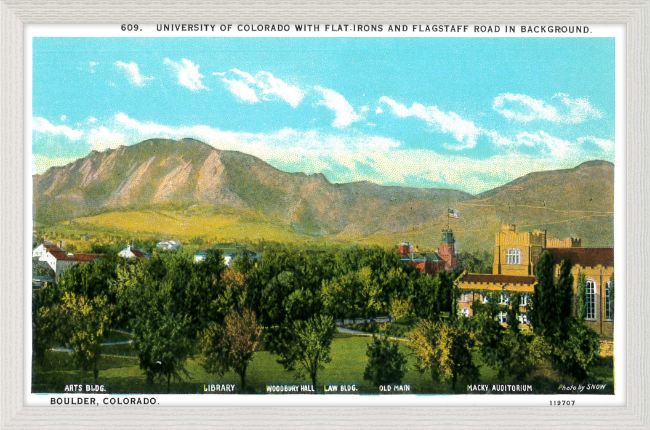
<point x="514" y="270"/>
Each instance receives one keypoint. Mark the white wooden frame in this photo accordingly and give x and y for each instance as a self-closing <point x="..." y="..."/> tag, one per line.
<point x="15" y="13"/>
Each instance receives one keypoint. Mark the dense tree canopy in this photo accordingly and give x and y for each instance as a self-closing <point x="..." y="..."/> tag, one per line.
<point x="310" y="349"/>
<point x="231" y="345"/>
<point x="444" y="350"/>
<point x="386" y="364"/>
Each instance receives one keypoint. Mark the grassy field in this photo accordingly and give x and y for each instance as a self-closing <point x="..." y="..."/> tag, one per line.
<point x="211" y="227"/>
<point x="123" y="375"/>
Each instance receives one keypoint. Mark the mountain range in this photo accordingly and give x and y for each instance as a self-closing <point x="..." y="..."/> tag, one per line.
<point x="180" y="176"/>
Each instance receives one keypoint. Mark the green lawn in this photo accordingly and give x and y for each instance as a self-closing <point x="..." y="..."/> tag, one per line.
<point x="123" y="375"/>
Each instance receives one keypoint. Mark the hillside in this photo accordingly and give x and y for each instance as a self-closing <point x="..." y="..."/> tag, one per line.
<point x="189" y="189"/>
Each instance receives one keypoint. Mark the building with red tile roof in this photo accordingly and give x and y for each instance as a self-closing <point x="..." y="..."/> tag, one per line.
<point x="58" y="259"/>
<point x="132" y="252"/>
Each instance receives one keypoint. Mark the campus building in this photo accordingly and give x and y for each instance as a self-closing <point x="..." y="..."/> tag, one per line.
<point x="432" y="262"/>
<point x="514" y="271"/>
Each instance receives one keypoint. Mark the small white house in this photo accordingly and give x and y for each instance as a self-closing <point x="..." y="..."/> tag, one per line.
<point x="230" y="258"/>
<point x="132" y="252"/>
<point x="41" y="249"/>
<point x="200" y="256"/>
<point x="169" y="245"/>
<point x="58" y="259"/>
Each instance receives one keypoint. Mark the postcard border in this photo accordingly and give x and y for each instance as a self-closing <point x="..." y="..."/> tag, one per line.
<point x="13" y="14"/>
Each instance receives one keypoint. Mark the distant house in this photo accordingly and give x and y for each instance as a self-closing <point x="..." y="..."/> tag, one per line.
<point x="132" y="252"/>
<point x="230" y="258"/>
<point x="229" y="255"/>
<point x="200" y="256"/>
<point x="41" y="249"/>
<point x="58" y="259"/>
<point x="169" y="245"/>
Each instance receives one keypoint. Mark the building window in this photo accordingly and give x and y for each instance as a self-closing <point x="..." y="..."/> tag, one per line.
<point x="609" y="301"/>
<point x="485" y="298"/>
<point x="590" y="300"/>
<point x="503" y="317"/>
<point x="523" y="319"/>
<point x="512" y="256"/>
<point x="524" y="300"/>
<point x="504" y="299"/>
<point x="465" y="312"/>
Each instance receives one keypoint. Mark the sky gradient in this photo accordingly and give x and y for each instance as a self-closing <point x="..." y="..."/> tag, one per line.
<point x="464" y="113"/>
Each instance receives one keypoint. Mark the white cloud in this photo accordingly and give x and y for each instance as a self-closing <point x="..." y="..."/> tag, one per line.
<point x="345" y="114"/>
<point x="580" y="110"/>
<point x="42" y="125"/>
<point x="101" y="138"/>
<point x="248" y="78"/>
<point x="255" y="143"/>
<point x="379" y="110"/>
<point x="272" y="86"/>
<point x="604" y="144"/>
<point x="355" y="156"/>
<point x="218" y="73"/>
<point x="523" y="108"/>
<point x="269" y="87"/>
<point x="92" y="66"/>
<point x="63" y="117"/>
<point x="150" y="129"/>
<point x="554" y="146"/>
<point x="187" y="73"/>
<point x="529" y="108"/>
<point x="241" y="90"/>
<point x="133" y="73"/>
<point x="92" y="120"/>
<point x="464" y="131"/>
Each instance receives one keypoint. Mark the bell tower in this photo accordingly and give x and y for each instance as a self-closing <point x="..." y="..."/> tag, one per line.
<point x="448" y="250"/>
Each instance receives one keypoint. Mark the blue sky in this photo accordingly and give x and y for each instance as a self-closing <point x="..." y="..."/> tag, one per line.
<point x="465" y="113"/>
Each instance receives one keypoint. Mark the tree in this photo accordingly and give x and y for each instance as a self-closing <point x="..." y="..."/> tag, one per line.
<point x="46" y="325"/>
<point x="44" y="270"/>
<point x="573" y="345"/>
<point x="543" y="307"/>
<point x="581" y="311"/>
<point x="578" y="353"/>
<point x="352" y="294"/>
<point x="445" y="350"/>
<point x="90" y="279"/>
<point x="490" y="331"/>
<point x="386" y="364"/>
<point x="509" y="350"/>
<point x="232" y="294"/>
<point x="310" y="350"/>
<point x="564" y="294"/>
<point x="85" y="324"/>
<point x="551" y="304"/>
<point x="476" y="262"/>
<point x="162" y="335"/>
<point x="232" y="345"/>
<point x="400" y="308"/>
<point x="433" y="295"/>
<point x="580" y="343"/>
